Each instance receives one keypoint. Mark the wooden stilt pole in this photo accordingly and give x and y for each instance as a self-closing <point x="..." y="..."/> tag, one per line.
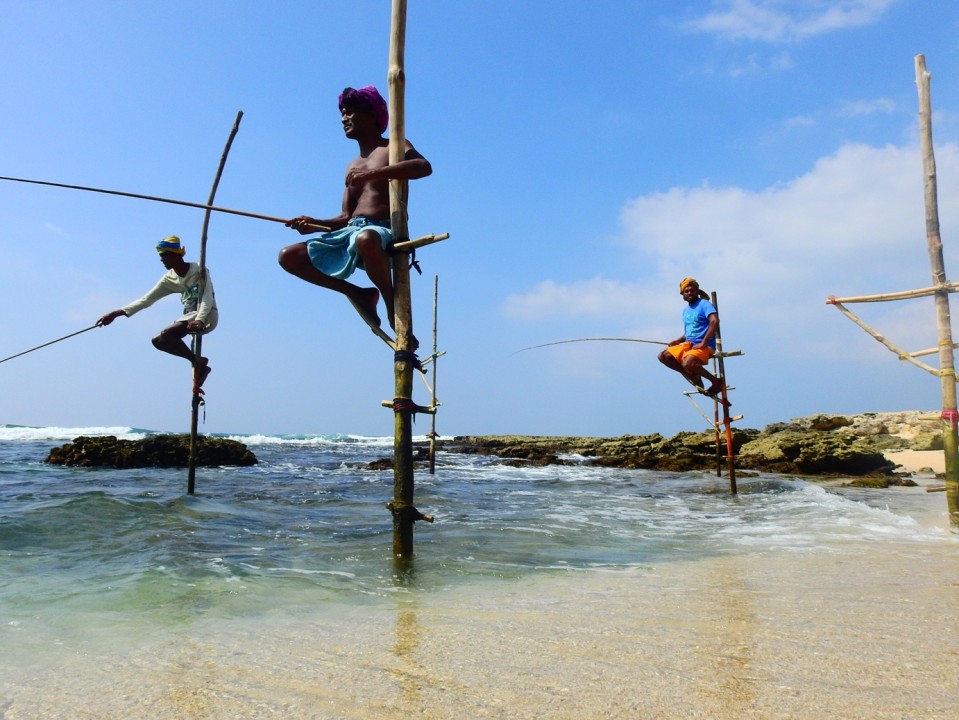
<point x="435" y="356"/>
<point x="402" y="505"/>
<point x="947" y="373"/>
<point x="198" y="339"/>
<point x="727" y="420"/>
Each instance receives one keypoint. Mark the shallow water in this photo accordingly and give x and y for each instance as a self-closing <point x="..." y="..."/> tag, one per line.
<point x="113" y="568"/>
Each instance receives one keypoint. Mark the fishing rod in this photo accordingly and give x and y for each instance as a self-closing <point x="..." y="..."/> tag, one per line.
<point x="562" y="342"/>
<point x="78" y="332"/>
<point x="201" y="206"/>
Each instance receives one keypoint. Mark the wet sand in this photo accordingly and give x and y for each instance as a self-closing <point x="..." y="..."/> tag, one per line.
<point x="830" y="632"/>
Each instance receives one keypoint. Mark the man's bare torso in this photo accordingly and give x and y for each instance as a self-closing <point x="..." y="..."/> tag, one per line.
<point x="370" y="199"/>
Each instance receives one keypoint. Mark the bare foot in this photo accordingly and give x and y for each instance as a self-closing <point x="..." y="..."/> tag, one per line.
<point x="412" y="343"/>
<point x="366" y="305"/>
<point x="713" y="392"/>
<point x="201" y="372"/>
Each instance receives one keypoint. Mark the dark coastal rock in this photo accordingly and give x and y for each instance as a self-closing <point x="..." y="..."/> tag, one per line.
<point x="822" y="445"/>
<point x="163" y="451"/>
<point x="814" y="452"/>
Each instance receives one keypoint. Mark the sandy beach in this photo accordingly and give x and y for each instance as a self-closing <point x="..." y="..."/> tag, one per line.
<point x="828" y="632"/>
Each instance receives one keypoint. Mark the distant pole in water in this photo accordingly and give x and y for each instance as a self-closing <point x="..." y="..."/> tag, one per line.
<point x="197" y="400"/>
<point x="947" y="372"/>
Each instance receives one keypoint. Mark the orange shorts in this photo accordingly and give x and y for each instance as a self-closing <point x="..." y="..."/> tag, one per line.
<point x="686" y="349"/>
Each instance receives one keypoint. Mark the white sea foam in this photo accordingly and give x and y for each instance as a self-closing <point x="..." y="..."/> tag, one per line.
<point x="26" y="433"/>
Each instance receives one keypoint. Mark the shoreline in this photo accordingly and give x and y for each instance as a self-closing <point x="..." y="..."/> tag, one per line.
<point x="749" y="635"/>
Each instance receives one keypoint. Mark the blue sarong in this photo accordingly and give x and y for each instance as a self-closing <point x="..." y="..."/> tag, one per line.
<point x="334" y="253"/>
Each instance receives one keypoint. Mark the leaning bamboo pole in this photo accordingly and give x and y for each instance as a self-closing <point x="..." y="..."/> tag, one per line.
<point x="198" y="338"/>
<point x="879" y="337"/>
<point x="402" y="505"/>
<point x="947" y="374"/>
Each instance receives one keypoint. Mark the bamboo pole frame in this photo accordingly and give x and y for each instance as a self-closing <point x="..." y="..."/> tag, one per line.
<point x="940" y="290"/>
<point x="947" y="373"/>
<point x="904" y="355"/>
<point x="197" y="400"/>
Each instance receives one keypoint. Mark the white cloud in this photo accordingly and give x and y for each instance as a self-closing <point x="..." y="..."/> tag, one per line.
<point x="583" y="298"/>
<point x="855" y="108"/>
<point x="776" y="21"/>
<point x="854" y="224"/>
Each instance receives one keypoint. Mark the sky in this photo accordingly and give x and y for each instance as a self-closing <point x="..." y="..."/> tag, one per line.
<point x="586" y="157"/>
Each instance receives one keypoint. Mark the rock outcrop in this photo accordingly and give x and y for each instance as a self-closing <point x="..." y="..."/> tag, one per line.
<point x="839" y="445"/>
<point x="163" y="451"/>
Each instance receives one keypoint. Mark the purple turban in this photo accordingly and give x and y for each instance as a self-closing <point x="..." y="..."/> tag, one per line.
<point x="367" y="98"/>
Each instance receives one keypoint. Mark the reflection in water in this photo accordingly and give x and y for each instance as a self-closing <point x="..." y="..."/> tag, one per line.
<point x="408" y="673"/>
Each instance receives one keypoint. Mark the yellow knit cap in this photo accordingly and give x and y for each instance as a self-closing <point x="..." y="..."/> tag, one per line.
<point x="171" y="245"/>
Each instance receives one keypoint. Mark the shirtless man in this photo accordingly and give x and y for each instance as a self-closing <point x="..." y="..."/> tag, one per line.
<point x="689" y="353"/>
<point x="200" y="314"/>
<point x="360" y="235"/>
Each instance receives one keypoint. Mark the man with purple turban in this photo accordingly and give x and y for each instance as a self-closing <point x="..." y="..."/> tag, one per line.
<point x="689" y="353"/>
<point x="360" y="235"/>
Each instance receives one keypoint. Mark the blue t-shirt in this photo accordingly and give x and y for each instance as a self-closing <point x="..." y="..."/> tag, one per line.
<point x="696" y="321"/>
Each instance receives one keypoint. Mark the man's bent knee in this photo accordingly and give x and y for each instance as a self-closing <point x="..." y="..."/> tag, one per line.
<point x="368" y="241"/>
<point x="287" y="257"/>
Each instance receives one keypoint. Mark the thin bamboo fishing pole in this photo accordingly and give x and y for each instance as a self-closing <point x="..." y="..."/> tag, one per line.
<point x="561" y="342"/>
<point x="65" y="337"/>
<point x="155" y="198"/>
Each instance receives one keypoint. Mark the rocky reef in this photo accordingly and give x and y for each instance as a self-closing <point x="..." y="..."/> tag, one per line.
<point x="821" y="445"/>
<point x="162" y="451"/>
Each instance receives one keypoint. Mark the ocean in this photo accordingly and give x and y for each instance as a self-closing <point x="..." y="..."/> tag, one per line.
<point x="107" y="575"/>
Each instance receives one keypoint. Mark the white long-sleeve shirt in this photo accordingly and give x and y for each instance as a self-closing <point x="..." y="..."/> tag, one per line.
<point x="195" y="307"/>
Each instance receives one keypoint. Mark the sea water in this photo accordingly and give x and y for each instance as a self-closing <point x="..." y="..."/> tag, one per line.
<point x="91" y="558"/>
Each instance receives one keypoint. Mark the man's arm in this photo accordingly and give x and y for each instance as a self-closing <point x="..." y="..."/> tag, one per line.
<point x="413" y="166"/>
<point x="161" y="289"/>
<point x="304" y="224"/>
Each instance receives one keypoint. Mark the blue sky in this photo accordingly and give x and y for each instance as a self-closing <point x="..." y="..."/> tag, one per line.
<point x="586" y="155"/>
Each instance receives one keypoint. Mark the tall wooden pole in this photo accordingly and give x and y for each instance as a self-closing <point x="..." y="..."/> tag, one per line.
<point x="435" y="356"/>
<point x="404" y="513"/>
<point x="727" y="420"/>
<point x="947" y="372"/>
<point x="198" y="339"/>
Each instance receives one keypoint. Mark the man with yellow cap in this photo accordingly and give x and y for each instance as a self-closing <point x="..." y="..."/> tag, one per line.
<point x="200" y="314"/>
<point x="689" y="353"/>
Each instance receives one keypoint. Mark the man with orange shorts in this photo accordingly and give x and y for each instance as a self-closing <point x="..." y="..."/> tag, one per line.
<point x="689" y="353"/>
